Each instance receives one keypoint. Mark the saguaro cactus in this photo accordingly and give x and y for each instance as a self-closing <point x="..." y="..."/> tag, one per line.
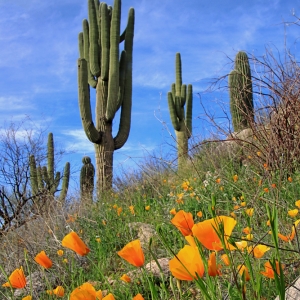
<point x="240" y="91"/>
<point x="43" y="179"/>
<point x="99" y="66"/>
<point x="181" y="119"/>
<point x="87" y="174"/>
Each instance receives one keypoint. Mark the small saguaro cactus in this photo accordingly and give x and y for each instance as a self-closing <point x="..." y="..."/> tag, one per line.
<point x="100" y="67"/>
<point x="87" y="174"/>
<point x="181" y="119"/>
<point x="240" y="91"/>
<point x="43" y="180"/>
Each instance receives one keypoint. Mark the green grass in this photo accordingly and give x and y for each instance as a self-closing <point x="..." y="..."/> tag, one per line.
<point x="199" y="188"/>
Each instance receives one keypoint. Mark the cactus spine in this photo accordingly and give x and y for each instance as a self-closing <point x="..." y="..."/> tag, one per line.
<point x="99" y="67"/>
<point x="181" y="119"/>
<point x="87" y="174"/>
<point x="43" y="180"/>
<point x="240" y="91"/>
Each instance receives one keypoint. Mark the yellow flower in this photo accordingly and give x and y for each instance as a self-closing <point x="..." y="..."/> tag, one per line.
<point x="249" y="237"/>
<point x="65" y="260"/>
<point x="235" y="178"/>
<point x="236" y="207"/>
<point x="293" y="213"/>
<point x="218" y="180"/>
<point x="225" y="259"/>
<point x="104" y="222"/>
<point x="250" y="212"/>
<point x="119" y="210"/>
<point x="60" y="252"/>
<point x="297" y="203"/>
<point x="243" y="204"/>
<point x="115" y="206"/>
<point x="185" y="185"/>
<point x="173" y="211"/>
<point x="27" y="298"/>
<point x="131" y="208"/>
<point x="233" y="215"/>
<point x="243" y="271"/>
<point x="98" y="240"/>
<point x="258" y="251"/>
<point x="147" y="207"/>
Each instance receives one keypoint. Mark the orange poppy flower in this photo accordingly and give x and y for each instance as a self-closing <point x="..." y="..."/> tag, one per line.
<point x="133" y="253"/>
<point x="75" y="243"/>
<point x="213" y="268"/>
<point x="173" y="211"/>
<point x="297" y="203"/>
<point x="126" y="278"/>
<point x="27" y="298"/>
<point x="16" y="280"/>
<point x="59" y="291"/>
<point x="249" y="212"/>
<point x="235" y="178"/>
<point x="184" y="222"/>
<point x="290" y="179"/>
<point x="287" y="238"/>
<point x="258" y="251"/>
<point x="138" y="297"/>
<point x="225" y="259"/>
<point x="43" y="260"/>
<point x="109" y="297"/>
<point x="243" y="271"/>
<point x="293" y="213"/>
<point x="187" y="263"/>
<point x="206" y="234"/>
<point x="86" y="292"/>
<point x="269" y="272"/>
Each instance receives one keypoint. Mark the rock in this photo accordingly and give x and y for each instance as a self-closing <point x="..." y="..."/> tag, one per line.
<point x="293" y="292"/>
<point x="144" y="232"/>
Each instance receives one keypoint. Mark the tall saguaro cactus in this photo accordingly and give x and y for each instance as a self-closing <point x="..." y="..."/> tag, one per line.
<point x="240" y="91"/>
<point x="101" y="67"/>
<point x="181" y="119"/>
<point x="44" y="179"/>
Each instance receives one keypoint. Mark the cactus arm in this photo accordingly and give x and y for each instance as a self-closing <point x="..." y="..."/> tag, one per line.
<point x="65" y="183"/>
<point x="125" y="118"/>
<point x="81" y="45"/>
<point x="113" y="81"/>
<point x="45" y="176"/>
<point x="173" y="113"/>
<point x="178" y="74"/>
<point x="40" y="178"/>
<point x="94" y="39"/>
<point x="183" y="95"/>
<point x="122" y="36"/>
<point x="122" y="72"/>
<point x="189" y="110"/>
<point x="104" y="42"/>
<point x="86" y="43"/>
<point x="84" y="103"/>
<point x="33" y="175"/>
<point x="54" y="185"/>
<point x="50" y="157"/>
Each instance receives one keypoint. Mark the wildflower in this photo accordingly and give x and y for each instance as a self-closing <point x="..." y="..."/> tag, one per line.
<point x="43" y="260"/>
<point x="126" y="278"/>
<point x="16" y="280"/>
<point x="187" y="263"/>
<point x="199" y="214"/>
<point x="147" y="207"/>
<point x="266" y="190"/>
<point x="265" y="166"/>
<point x="109" y="297"/>
<point x="27" y="298"/>
<point x="268" y="223"/>
<point x="243" y="204"/>
<point x="258" y="251"/>
<point x="236" y="207"/>
<point x="190" y="239"/>
<point x="75" y="243"/>
<point x="59" y="291"/>
<point x="206" y="233"/>
<point x="218" y="180"/>
<point x="292" y="235"/>
<point x="131" y="208"/>
<point x="249" y="237"/>
<point x="235" y="178"/>
<point x="250" y="211"/>
<point x="60" y="252"/>
<point x="185" y="185"/>
<point x="138" y="297"/>
<point x="273" y="185"/>
<point x="184" y="222"/>
<point x="133" y="253"/>
<point x="260" y="182"/>
<point x="71" y="219"/>
<point x="293" y="213"/>
<point x="247" y="230"/>
<point x="243" y="271"/>
<point x="87" y="292"/>
<point x="213" y="268"/>
<point x="258" y="153"/>
<point x="115" y="206"/>
<point x="233" y="198"/>
<point x="269" y="272"/>
<point x="233" y="215"/>
<point x="290" y="179"/>
<point x="241" y="245"/>
<point x="173" y="211"/>
<point x="98" y="240"/>
<point x="119" y="210"/>
<point x="225" y="259"/>
<point x="297" y="203"/>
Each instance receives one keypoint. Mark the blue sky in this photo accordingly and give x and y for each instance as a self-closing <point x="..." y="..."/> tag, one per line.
<point x="39" y="50"/>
